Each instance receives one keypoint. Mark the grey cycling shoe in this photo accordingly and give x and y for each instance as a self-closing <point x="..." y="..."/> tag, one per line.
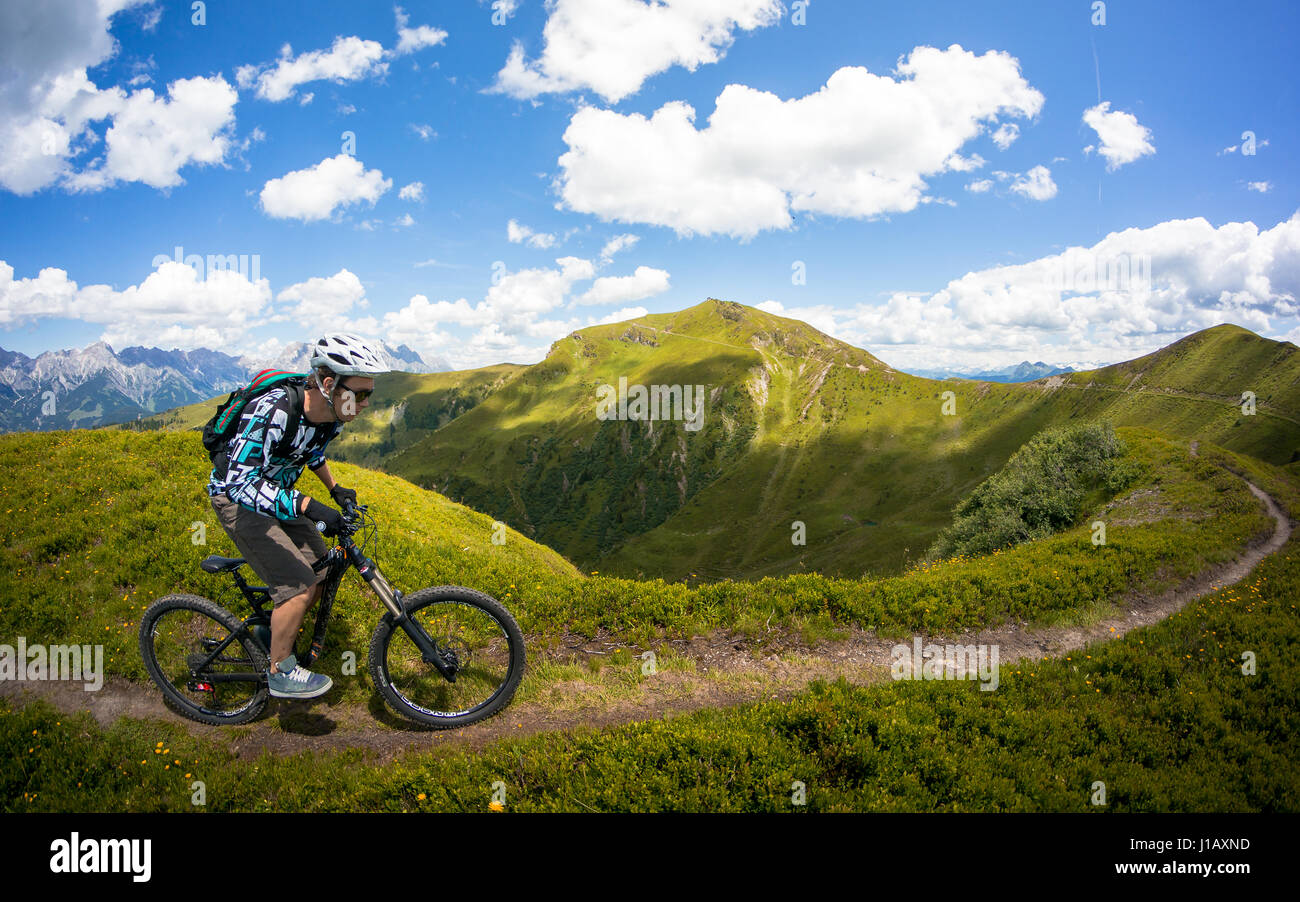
<point x="294" y="681"/>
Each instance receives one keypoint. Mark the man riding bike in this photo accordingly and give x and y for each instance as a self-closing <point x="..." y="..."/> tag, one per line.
<point x="272" y="524"/>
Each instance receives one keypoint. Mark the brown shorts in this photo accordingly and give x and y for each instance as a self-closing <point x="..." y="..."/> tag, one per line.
<point x="280" y="552"/>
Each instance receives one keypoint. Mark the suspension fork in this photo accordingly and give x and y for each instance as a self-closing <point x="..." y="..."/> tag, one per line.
<point x="392" y="599"/>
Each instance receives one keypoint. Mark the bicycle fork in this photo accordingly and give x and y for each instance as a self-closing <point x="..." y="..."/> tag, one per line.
<point x="392" y="599"/>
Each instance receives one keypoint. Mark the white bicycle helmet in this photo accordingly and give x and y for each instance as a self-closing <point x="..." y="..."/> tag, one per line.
<point x="348" y="355"/>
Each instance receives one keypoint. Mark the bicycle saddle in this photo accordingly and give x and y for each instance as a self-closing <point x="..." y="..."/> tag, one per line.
<point x="215" y="563"/>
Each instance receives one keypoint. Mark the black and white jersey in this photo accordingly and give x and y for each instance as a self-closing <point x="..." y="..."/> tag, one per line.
<point x="256" y="477"/>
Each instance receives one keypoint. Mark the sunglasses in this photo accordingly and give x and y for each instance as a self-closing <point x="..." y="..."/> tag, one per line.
<point x="359" y="395"/>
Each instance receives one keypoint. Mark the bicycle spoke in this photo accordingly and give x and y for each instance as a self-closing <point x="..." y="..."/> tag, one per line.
<point x="181" y="639"/>
<point x="481" y="650"/>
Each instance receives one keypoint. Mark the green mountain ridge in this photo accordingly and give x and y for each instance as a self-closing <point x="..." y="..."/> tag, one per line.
<point x="535" y="453"/>
<point x="802" y="428"/>
<point x="803" y="436"/>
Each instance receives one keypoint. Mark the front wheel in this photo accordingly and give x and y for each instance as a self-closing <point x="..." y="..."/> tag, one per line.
<point x="476" y="635"/>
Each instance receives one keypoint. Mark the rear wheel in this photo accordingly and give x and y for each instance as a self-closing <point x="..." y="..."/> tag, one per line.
<point x="477" y="636"/>
<point x="177" y="635"/>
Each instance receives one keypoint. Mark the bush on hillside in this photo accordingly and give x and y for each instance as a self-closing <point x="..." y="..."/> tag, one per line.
<point x="1041" y="490"/>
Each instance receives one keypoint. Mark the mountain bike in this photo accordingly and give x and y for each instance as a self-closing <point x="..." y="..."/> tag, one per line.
<point x="446" y="656"/>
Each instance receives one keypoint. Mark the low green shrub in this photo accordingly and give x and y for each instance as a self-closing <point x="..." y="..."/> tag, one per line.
<point x="1041" y="490"/>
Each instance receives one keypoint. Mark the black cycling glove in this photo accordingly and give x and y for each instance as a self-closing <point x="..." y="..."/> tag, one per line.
<point x="330" y="521"/>
<point x="338" y="493"/>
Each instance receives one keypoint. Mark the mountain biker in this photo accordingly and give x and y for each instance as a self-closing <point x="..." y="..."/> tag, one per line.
<point x="272" y="524"/>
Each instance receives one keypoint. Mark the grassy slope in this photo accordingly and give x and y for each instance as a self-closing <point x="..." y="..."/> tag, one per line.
<point x="99" y="523"/>
<point x="1165" y="717"/>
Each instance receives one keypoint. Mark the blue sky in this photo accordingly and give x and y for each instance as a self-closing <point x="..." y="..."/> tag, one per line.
<point x="934" y="182"/>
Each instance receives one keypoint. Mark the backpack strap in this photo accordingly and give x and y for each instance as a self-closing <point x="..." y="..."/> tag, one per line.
<point x="296" y="400"/>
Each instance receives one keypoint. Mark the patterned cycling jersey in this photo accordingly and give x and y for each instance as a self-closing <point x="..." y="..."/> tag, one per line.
<point x="258" y="479"/>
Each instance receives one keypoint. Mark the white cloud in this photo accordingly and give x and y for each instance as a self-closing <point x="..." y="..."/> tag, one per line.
<point x="507" y="324"/>
<point x="49" y="107"/>
<point x="1005" y="135"/>
<point x="172" y="307"/>
<point x="46" y="49"/>
<point x="1036" y="184"/>
<point x="616" y="244"/>
<point x="152" y="138"/>
<point x="618" y="316"/>
<point x="516" y="320"/>
<point x="142" y="71"/>
<point x="1123" y="138"/>
<point x="1130" y="293"/>
<point x="404" y="221"/>
<point x="150" y="18"/>
<point x="522" y="234"/>
<point x="859" y="147"/>
<point x="315" y="193"/>
<point x="958" y="163"/>
<point x="612" y="46"/>
<point x="410" y="40"/>
<point x="319" y="297"/>
<point x="819" y="316"/>
<point x="348" y="59"/>
<point x="1261" y="187"/>
<point x="424" y="131"/>
<point x="413" y="191"/>
<point x="644" y="283"/>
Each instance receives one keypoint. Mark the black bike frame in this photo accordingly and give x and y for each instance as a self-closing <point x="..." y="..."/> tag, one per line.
<point x="257" y="596"/>
<point x="338" y="559"/>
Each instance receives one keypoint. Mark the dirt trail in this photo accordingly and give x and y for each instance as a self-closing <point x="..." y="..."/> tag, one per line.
<point x="726" y="673"/>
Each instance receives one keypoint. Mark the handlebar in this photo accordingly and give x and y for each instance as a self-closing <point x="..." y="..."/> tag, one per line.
<point x="352" y="514"/>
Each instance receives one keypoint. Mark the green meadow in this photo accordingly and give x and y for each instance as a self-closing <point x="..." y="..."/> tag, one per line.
<point x="924" y="507"/>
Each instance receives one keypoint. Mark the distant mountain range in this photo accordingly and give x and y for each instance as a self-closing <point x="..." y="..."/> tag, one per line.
<point x="96" y="386"/>
<point x="1021" y="372"/>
